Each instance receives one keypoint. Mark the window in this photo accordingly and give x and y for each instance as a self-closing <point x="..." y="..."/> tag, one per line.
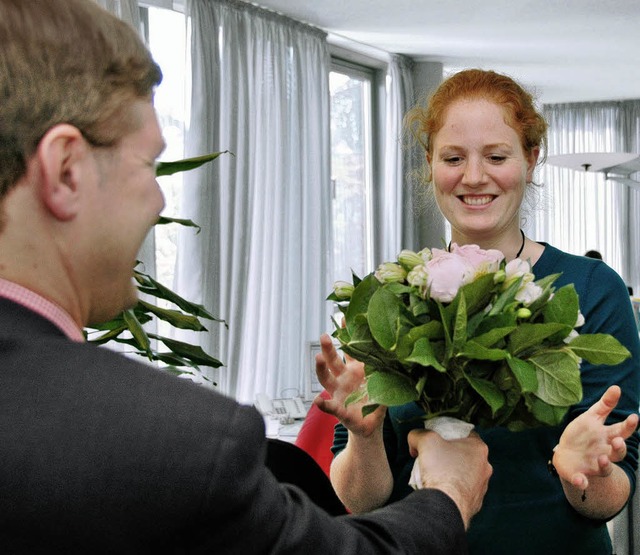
<point x="166" y="36"/>
<point x="351" y="170"/>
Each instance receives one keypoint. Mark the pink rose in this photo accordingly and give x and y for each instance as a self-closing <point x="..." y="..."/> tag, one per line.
<point x="446" y="272"/>
<point x="483" y="261"/>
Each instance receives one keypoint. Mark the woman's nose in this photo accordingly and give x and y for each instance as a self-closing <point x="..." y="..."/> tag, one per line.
<point x="473" y="173"/>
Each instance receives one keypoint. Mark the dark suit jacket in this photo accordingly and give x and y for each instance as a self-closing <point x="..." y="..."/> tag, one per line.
<point x="101" y="454"/>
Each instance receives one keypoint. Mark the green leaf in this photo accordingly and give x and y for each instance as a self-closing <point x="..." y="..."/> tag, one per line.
<point x="478" y="293"/>
<point x="169" y="168"/>
<point x="152" y="287"/>
<point x="406" y="341"/>
<point x="493" y="336"/>
<point x="460" y="324"/>
<point x="192" y="352"/>
<point x="599" y="348"/>
<point x="488" y="391"/>
<point x="505" y="298"/>
<point x="356" y="396"/>
<point x="558" y="374"/>
<point x="164" y="220"/>
<point x="176" y="318"/>
<point x="424" y="355"/>
<point x="390" y="389"/>
<point x="359" y="303"/>
<point x="110" y="335"/>
<point x="525" y="373"/>
<point x="383" y="314"/>
<point x="473" y="350"/>
<point x="563" y="307"/>
<point x="136" y="329"/>
<point x="545" y="413"/>
<point x="526" y="336"/>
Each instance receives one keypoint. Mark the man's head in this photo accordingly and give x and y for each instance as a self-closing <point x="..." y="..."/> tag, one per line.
<point x="78" y="142"/>
<point x="65" y="61"/>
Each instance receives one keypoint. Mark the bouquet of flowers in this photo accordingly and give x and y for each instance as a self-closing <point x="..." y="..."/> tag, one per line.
<point x="469" y="336"/>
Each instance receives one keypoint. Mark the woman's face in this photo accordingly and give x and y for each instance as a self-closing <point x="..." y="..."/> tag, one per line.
<point x="480" y="171"/>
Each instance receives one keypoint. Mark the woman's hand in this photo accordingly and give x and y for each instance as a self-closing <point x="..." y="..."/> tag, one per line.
<point x="340" y="378"/>
<point x="588" y="448"/>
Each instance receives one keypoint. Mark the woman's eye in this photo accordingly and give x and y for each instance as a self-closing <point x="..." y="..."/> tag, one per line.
<point x="452" y="159"/>
<point x="496" y="158"/>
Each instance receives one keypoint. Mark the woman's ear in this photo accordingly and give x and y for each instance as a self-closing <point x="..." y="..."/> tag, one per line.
<point x="532" y="161"/>
<point x="62" y="154"/>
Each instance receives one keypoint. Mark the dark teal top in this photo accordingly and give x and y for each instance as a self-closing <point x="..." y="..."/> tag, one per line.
<point x="525" y="510"/>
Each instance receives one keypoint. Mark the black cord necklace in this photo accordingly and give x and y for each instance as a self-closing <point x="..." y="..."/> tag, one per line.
<point x="521" y="246"/>
<point x="519" y="250"/>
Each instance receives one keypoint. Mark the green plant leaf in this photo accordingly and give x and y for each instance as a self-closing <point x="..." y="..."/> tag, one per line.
<point x="137" y="331"/>
<point x="152" y="287"/>
<point x="488" y="391"/>
<point x="460" y="324"/>
<point x="505" y="298"/>
<point x="494" y="335"/>
<point x="424" y="355"/>
<point x="478" y="293"/>
<point x="430" y="330"/>
<point x="359" y="303"/>
<point x="599" y="348"/>
<point x="169" y="168"/>
<point x="558" y="374"/>
<point x="390" y="389"/>
<point x="192" y="352"/>
<point x="176" y="318"/>
<point x="164" y="220"/>
<point x="563" y="307"/>
<point x="525" y="373"/>
<point x="545" y="413"/>
<point x="526" y="336"/>
<point x="383" y="314"/>
<point x="473" y="350"/>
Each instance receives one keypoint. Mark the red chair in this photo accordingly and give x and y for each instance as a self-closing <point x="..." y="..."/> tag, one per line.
<point x="316" y="435"/>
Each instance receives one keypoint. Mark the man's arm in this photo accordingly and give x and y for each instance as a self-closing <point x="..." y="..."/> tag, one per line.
<point x="248" y="510"/>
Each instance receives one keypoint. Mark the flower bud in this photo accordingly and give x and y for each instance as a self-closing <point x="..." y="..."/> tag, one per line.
<point x="523" y="313"/>
<point x="417" y="277"/>
<point x="390" y="272"/>
<point x="409" y="259"/>
<point x="343" y="290"/>
<point x="499" y="276"/>
<point x="426" y="255"/>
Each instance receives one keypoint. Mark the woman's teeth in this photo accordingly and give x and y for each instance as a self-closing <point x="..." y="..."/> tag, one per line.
<point x="477" y="201"/>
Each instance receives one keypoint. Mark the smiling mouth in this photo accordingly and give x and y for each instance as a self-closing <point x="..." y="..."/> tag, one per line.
<point x="476" y="200"/>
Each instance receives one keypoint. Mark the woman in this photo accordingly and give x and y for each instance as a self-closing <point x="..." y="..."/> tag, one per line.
<point x="483" y="137"/>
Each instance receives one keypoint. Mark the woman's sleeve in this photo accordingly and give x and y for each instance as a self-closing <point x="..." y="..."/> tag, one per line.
<point x="606" y="307"/>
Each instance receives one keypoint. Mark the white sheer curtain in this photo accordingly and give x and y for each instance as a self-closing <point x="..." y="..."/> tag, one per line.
<point x="395" y="213"/>
<point x="127" y="10"/>
<point x="260" y="90"/>
<point x="579" y="210"/>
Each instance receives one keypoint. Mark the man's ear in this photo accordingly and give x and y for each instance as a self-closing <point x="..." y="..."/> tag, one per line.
<point x="62" y="154"/>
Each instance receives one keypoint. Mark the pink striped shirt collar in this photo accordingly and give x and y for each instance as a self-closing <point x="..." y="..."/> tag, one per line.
<point x="45" y="308"/>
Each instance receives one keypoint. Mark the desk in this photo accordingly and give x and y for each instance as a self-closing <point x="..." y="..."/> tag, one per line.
<point x="285" y="432"/>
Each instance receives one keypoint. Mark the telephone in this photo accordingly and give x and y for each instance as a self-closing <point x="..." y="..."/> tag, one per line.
<point x="292" y="407"/>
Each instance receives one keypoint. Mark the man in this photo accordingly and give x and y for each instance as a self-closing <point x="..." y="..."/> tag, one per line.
<point x="98" y="452"/>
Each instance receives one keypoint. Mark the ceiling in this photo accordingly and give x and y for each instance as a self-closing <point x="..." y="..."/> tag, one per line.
<point x="562" y="50"/>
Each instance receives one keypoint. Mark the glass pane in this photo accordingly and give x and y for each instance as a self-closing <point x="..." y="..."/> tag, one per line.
<point x="350" y="174"/>
<point x="167" y="42"/>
